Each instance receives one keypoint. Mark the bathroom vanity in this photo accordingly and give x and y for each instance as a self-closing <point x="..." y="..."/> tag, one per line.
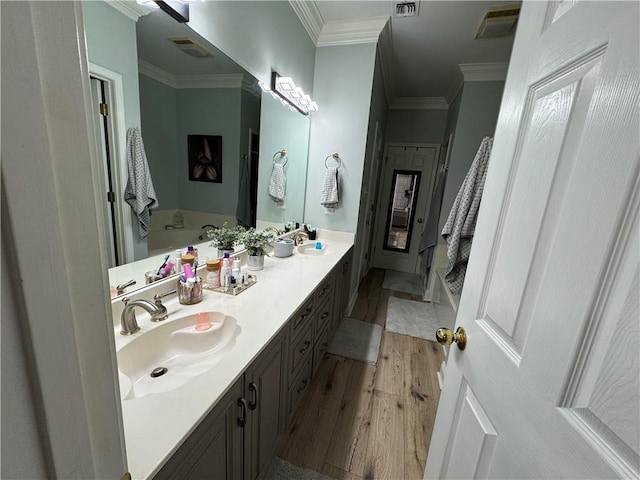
<point x="226" y="421"/>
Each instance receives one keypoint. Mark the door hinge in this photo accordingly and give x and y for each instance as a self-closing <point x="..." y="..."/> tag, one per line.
<point x="104" y="109"/>
<point x="111" y="197"/>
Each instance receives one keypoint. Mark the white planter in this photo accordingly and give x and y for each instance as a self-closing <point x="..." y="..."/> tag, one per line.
<point x="255" y="262"/>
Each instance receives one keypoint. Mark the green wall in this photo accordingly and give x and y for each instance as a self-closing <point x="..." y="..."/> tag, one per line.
<point x="207" y="111"/>
<point x="476" y="118"/>
<point x="159" y="116"/>
<point x="111" y="43"/>
<point x="340" y="125"/>
<point x="169" y="115"/>
<point x="416" y="126"/>
<point x="282" y="129"/>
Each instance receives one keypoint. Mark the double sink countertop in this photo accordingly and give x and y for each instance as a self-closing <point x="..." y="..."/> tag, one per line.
<point x="156" y="425"/>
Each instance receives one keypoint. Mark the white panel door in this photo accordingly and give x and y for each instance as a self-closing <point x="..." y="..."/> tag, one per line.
<point x="391" y="218"/>
<point x="548" y="385"/>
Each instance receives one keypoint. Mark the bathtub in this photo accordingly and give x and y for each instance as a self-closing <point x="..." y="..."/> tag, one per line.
<point x="159" y="241"/>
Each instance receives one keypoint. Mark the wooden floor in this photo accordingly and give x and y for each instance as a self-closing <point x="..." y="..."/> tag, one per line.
<point x="359" y="421"/>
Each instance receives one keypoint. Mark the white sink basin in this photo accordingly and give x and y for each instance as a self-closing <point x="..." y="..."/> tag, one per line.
<point x="178" y="347"/>
<point x="310" y="249"/>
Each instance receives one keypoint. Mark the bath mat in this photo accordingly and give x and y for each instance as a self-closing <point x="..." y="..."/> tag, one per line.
<point x="416" y="319"/>
<point x="402" y="282"/>
<point x="281" y="470"/>
<point x="357" y="340"/>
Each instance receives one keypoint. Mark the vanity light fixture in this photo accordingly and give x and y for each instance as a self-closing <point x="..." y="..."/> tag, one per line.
<point x="178" y="10"/>
<point x="286" y="88"/>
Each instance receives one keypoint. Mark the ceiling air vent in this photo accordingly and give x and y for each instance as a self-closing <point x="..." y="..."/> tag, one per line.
<point x="190" y="47"/>
<point x="406" y="9"/>
<point x="499" y="22"/>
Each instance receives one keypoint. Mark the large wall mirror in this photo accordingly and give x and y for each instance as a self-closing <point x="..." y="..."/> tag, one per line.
<point x="190" y="101"/>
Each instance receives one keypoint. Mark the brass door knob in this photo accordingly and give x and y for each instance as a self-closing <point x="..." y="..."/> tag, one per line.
<point x="447" y="337"/>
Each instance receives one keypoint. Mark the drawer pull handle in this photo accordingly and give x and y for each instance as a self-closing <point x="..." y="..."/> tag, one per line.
<point x="306" y="344"/>
<point x="324" y="315"/>
<point x="304" y="385"/>
<point x="242" y="420"/>
<point x="323" y="347"/>
<point x="253" y="389"/>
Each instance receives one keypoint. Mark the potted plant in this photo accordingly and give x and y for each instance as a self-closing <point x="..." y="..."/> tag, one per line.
<point x="256" y="244"/>
<point x="225" y="237"/>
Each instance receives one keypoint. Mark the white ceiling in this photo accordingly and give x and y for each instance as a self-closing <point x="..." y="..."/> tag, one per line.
<point x="425" y="51"/>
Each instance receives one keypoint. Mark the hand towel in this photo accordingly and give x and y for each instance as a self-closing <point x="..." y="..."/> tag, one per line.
<point x="277" y="183"/>
<point x="460" y="226"/>
<point x="330" y="197"/>
<point x="139" y="192"/>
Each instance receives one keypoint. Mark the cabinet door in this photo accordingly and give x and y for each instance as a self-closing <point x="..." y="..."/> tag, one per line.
<point x="215" y="449"/>
<point x="263" y="392"/>
<point x="341" y="290"/>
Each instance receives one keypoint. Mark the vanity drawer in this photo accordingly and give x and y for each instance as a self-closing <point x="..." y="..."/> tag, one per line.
<point x="299" y="385"/>
<point x="324" y="289"/>
<point x="323" y="316"/>
<point x="300" y="350"/>
<point x="302" y="319"/>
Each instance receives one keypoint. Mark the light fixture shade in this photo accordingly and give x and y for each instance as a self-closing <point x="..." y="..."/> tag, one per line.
<point x="294" y="96"/>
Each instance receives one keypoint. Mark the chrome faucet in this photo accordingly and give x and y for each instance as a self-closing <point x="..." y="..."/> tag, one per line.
<point x="157" y="310"/>
<point x="300" y="237"/>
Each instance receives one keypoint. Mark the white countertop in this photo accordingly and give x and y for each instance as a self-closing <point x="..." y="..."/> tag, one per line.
<point x="156" y="425"/>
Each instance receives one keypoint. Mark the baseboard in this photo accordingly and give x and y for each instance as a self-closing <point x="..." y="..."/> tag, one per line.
<point x="352" y="302"/>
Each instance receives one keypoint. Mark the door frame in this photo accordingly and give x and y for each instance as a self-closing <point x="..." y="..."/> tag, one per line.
<point x="372" y="191"/>
<point x="115" y="87"/>
<point x="380" y="203"/>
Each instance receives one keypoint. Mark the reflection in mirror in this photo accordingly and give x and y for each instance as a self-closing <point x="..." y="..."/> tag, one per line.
<point x="282" y="129"/>
<point x="170" y="95"/>
<point x="401" y="210"/>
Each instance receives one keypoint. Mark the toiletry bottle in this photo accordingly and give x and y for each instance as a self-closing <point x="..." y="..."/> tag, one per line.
<point x="177" y="261"/>
<point x="235" y="272"/>
<point x="213" y="274"/>
<point x="225" y="270"/>
<point x="192" y="251"/>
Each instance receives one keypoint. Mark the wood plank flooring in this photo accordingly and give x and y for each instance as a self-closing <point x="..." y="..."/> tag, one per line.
<point x="359" y="421"/>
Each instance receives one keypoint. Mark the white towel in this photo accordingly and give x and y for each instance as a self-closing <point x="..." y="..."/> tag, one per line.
<point x="277" y="183"/>
<point x="139" y="193"/>
<point x="461" y="223"/>
<point x="330" y="197"/>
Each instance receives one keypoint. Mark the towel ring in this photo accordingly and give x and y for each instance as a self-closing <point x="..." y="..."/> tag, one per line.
<point x="336" y="157"/>
<point x="282" y="153"/>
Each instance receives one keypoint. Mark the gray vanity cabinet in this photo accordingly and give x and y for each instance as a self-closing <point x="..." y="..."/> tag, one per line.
<point x="237" y="440"/>
<point x="215" y="449"/>
<point x="263" y="392"/>
<point x="342" y="282"/>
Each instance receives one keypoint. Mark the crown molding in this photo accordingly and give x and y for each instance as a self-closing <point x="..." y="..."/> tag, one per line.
<point x="419" y="103"/>
<point x="484" y="72"/>
<point x="151" y="71"/>
<point x="310" y="17"/>
<point x="193" y="81"/>
<point x="130" y="8"/>
<point x="352" y="32"/>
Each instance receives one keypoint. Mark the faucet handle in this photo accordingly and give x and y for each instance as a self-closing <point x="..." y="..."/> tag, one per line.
<point x="159" y="296"/>
<point x="161" y="314"/>
<point x="120" y="288"/>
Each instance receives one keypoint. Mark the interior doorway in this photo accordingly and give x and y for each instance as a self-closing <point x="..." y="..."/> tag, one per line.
<point x="407" y="181"/>
<point x="107" y="93"/>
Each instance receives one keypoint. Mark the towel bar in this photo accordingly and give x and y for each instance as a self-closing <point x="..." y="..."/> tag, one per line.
<point x="282" y="153"/>
<point x="336" y="157"/>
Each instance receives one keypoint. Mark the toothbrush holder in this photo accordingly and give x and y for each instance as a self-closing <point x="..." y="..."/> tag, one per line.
<point x="190" y="293"/>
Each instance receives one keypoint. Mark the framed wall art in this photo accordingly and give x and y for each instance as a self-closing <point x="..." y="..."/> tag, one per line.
<point x="205" y="158"/>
